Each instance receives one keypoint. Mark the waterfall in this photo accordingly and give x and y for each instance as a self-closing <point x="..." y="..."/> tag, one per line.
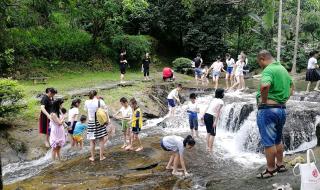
<point x="238" y="117"/>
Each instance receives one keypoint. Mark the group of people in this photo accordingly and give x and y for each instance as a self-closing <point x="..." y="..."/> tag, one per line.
<point x="123" y="64"/>
<point x="274" y="90"/>
<point x="234" y="71"/>
<point x="56" y="123"/>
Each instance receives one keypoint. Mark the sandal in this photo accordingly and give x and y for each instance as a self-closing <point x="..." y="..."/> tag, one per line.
<point x="281" y="168"/>
<point x="267" y="174"/>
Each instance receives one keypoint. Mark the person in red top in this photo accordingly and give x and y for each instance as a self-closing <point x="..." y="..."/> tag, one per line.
<point x="167" y="73"/>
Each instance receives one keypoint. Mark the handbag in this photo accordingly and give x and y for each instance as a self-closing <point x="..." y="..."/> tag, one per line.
<point x="310" y="176"/>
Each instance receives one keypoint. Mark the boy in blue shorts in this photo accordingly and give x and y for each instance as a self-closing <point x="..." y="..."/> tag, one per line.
<point x="172" y="98"/>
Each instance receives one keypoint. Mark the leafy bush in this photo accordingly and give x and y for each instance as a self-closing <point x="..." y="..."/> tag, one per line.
<point x="11" y="95"/>
<point x="136" y="46"/>
<point x="180" y="63"/>
<point x="52" y="43"/>
<point x="6" y="61"/>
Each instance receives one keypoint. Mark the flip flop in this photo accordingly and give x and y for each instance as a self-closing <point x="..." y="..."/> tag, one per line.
<point x="267" y="174"/>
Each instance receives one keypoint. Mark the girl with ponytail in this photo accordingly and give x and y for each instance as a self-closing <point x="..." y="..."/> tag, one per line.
<point x="176" y="145"/>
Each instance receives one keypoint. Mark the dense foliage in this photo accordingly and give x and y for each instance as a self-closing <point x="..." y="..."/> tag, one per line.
<point x="180" y="63"/>
<point x="84" y="30"/>
<point x="11" y="95"/>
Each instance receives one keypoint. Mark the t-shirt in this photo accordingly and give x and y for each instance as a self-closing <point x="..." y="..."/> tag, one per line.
<point x="72" y="113"/>
<point x="197" y="62"/>
<point x="174" y="143"/>
<point x="193" y="107"/>
<point x="173" y="94"/>
<point x="240" y="65"/>
<point x="126" y="112"/>
<point x="312" y="63"/>
<point x="79" y="128"/>
<point x="214" y="105"/>
<point x="166" y="72"/>
<point x="217" y="66"/>
<point x="47" y="103"/>
<point x="146" y="63"/>
<point x="230" y="62"/>
<point x="91" y="107"/>
<point x="280" y="82"/>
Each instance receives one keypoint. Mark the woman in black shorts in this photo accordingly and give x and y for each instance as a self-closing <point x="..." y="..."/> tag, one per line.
<point x="212" y="115"/>
<point x="123" y="63"/>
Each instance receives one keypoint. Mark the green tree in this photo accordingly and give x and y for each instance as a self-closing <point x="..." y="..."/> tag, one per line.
<point x="296" y="41"/>
<point x="11" y="95"/>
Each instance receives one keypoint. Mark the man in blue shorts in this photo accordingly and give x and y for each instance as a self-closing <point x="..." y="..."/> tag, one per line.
<point x="197" y="64"/>
<point x="275" y="89"/>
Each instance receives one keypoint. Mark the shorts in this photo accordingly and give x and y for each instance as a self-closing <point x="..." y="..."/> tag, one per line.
<point x="123" y="69"/>
<point x="208" y="121"/>
<point x="239" y="73"/>
<point x="171" y="103"/>
<point x="313" y="75"/>
<point x="270" y="123"/>
<point x="145" y="72"/>
<point x="229" y="70"/>
<point x="136" y="130"/>
<point x="73" y="126"/>
<point x="193" y="121"/>
<point x="216" y="73"/>
<point x="198" y="72"/>
<point x="124" y="125"/>
<point x="77" y="138"/>
<point x="163" y="147"/>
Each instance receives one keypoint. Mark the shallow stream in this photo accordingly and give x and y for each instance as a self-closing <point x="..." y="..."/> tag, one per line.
<point x="237" y="151"/>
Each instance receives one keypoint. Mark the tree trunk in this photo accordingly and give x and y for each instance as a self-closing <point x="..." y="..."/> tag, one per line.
<point x="279" y="31"/>
<point x="296" y="41"/>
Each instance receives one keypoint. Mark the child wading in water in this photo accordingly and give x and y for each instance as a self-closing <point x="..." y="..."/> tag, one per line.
<point x="136" y="124"/>
<point x="126" y="114"/>
<point x="211" y="117"/>
<point x="172" y="98"/>
<point x="57" y="134"/>
<point x="78" y="131"/>
<point x="176" y="145"/>
<point x="193" y="110"/>
<point x="73" y="117"/>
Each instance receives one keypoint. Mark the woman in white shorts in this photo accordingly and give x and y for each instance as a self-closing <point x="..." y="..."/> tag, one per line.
<point x="238" y="73"/>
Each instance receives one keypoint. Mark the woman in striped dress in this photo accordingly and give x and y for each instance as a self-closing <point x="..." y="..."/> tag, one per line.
<point x="95" y="130"/>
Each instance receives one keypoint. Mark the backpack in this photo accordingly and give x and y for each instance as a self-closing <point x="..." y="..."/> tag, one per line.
<point x="102" y="116"/>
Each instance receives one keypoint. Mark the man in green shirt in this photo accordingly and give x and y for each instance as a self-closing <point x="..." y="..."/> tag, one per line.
<point x="275" y="89"/>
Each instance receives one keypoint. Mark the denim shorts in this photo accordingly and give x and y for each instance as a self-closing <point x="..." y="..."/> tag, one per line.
<point x="229" y="70"/>
<point x="198" y="72"/>
<point x="216" y="73"/>
<point x="193" y="121"/>
<point x="270" y="123"/>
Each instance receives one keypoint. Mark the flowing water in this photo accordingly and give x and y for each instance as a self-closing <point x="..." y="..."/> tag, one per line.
<point x="237" y="144"/>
